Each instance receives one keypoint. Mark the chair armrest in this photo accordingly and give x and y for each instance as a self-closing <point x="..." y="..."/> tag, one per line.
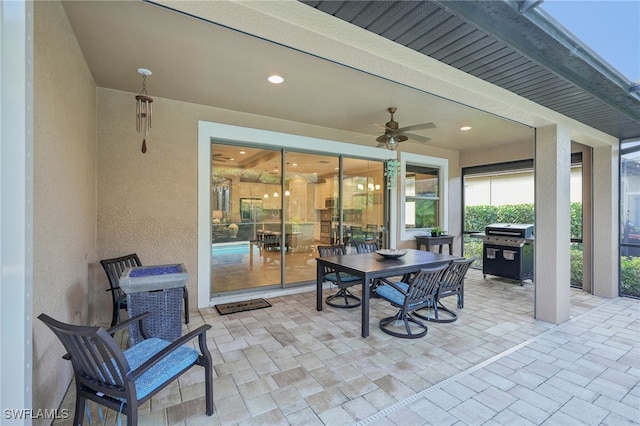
<point x="200" y="332"/>
<point x="128" y="322"/>
<point x="392" y="284"/>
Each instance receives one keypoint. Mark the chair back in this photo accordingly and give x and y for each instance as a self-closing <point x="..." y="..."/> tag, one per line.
<point x="423" y="288"/>
<point x="98" y="362"/>
<point x="328" y="251"/>
<point x="367" y="246"/>
<point x="356" y="233"/>
<point x="453" y="277"/>
<point x="114" y="269"/>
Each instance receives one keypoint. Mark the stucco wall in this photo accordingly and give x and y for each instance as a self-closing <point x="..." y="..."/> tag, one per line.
<point x="64" y="209"/>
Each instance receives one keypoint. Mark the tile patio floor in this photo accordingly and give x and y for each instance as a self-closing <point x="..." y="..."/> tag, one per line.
<point x="292" y="365"/>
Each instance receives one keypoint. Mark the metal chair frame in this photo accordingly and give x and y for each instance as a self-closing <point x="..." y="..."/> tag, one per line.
<point x="103" y="373"/>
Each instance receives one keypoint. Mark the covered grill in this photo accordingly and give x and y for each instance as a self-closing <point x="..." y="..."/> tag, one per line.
<point x="508" y="251"/>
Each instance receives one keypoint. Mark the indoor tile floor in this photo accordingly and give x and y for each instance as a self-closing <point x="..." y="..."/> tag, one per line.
<point x="496" y="365"/>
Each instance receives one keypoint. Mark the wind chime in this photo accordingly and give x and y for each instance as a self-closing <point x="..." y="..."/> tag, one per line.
<point x="143" y="108"/>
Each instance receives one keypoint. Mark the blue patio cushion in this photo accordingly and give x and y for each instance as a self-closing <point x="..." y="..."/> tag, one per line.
<point x="345" y="278"/>
<point x="161" y="372"/>
<point x="391" y="294"/>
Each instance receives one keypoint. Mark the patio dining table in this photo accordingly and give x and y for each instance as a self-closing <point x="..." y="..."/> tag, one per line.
<point x="369" y="266"/>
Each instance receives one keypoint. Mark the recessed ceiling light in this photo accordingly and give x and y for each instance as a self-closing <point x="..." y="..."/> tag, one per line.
<point x="275" y="79"/>
<point x="242" y="152"/>
<point x="465" y="128"/>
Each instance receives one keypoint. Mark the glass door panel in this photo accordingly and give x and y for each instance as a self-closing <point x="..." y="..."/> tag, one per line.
<point x="363" y="206"/>
<point x="311" y="185"/>
<point x="246" y="218"/>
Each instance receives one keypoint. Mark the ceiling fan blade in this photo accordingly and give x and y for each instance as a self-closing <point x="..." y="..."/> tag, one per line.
<point x="417" y="138"/>
<point x="418" y="127"/>
<point x="383" y="127"/>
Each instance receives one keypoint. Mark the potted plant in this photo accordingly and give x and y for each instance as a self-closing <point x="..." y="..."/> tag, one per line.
<point x="436" y="231"/>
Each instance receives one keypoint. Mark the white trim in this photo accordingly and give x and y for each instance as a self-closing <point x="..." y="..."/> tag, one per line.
<point x="228" y="133"/>
<point x="443" y="180"/>
<point x="16" y="198"/>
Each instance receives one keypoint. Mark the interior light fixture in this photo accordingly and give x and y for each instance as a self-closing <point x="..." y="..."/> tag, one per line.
<point x="275" y="79"/>
<point x="465" y="128"/>
<point x="287" y="193"/>
<point x="143" y="108"/>
<point x="275" y="195"/>
<point x="266" y="195"/>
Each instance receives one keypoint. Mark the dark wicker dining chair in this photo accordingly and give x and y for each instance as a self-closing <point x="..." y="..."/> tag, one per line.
<point x="420" y="293"/>
<point x="124" y="380"/>
<point x="343" y="281"/>
<point x="114" y="269"/>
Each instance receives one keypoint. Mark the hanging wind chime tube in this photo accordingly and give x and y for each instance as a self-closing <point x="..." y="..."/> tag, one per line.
<point x="143" y="108"/>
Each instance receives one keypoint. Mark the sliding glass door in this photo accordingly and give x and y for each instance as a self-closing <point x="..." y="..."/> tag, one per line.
<point x="271" y="208"/>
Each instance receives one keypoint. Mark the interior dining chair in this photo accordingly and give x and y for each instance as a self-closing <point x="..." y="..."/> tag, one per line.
<point x="123" y="380"/>
<point x="451" y="284"/>
<point x="419" y="293"/>
<point x="368" y="246"/>
<point x="114" y="269"/>
<point x="342" y="281"/>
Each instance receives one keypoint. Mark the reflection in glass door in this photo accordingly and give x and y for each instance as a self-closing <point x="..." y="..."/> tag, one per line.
<point x="270" y="209"/>
<point x="246" y="218"/>
<point x="310" y="181"/>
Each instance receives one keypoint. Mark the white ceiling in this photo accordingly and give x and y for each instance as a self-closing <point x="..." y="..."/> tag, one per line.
<point x="199" y="62"/>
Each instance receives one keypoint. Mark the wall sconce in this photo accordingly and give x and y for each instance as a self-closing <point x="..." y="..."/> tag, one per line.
<point x="143" y="108"/>
<point x="377" y="187"/>
<point x="266" y="195"/>
<point x="275" y="195"/>
<point x="287" y="193"/>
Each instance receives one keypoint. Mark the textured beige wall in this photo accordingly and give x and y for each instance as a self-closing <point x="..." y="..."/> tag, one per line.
<point x="64" y="209"/>
<point x="498" y="154"/>
<point x="146" y="202"/>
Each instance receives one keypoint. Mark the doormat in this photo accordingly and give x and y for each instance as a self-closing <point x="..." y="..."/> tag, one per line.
<point x="247" y="305"/>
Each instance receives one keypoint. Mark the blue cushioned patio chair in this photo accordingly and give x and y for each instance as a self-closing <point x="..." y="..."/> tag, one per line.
<point x="123" y="380"/>
<point x="419" y="293"/>
<point x="451" y="284"/>
<point x="343" y="281"/>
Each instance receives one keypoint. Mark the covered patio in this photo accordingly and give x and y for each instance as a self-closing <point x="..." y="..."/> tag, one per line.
<point x="290" y="364"/>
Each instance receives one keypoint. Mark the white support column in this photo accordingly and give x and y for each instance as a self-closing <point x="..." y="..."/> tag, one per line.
<point x="552" y="227"/>
<point x="16" y="215"/>
<point x="605" y="221"/>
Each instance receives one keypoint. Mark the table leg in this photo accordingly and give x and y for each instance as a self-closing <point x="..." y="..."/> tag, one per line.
<point x="365" y="305"/>
<point x="319" y="273"/>
<point x="440" y="249"/>
<point x="451" y="249"/>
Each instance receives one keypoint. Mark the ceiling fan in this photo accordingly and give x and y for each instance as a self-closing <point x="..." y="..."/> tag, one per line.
<point x="393" y="134"/>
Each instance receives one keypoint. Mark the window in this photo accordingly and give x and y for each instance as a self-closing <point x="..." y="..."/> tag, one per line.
<point x="421" y="196"/>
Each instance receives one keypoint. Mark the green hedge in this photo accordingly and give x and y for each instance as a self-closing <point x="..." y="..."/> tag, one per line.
<point x="629" y="276"/>
<point x="476" y="218"/>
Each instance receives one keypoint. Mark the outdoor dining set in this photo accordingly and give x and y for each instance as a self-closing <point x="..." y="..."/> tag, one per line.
<point x="414" y="281"/>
